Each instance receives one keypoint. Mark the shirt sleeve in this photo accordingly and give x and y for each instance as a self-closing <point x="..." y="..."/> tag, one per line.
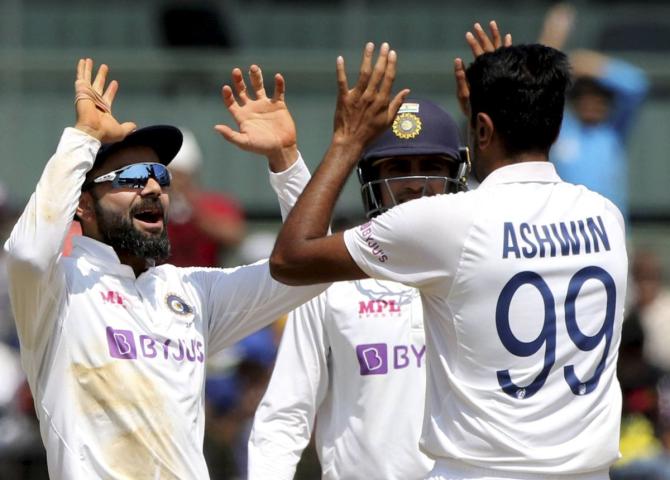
<point x="417" y="243"/>
<point x="285" y="417"/>
<point x="630" y="86"/>
<point x="36" y="241"/>
<point x="241" y="300"/>
<point x="289" y="184"/>
<point x="245" y="299"/>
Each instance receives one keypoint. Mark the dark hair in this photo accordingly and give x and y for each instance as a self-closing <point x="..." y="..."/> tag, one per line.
<point x="522" y="88"/>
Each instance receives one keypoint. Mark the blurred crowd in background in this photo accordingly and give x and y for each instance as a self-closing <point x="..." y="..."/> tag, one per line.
<point x="211" y="228"/>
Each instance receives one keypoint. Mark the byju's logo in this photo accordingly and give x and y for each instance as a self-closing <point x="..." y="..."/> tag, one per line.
<point x="122" y="344"/>
<point x="373" y="358"/>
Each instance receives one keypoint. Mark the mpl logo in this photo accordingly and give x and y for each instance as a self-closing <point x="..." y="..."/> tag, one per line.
<point x="373" y="358"/>
<point x="113" y="297"/>
<point x="378" y="308"/>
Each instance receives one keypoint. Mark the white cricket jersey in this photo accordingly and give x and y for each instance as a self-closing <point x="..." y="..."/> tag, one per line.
<point x="116" y="363"/>
<point x="354" y="358"/>
<point x="523" y="283"/>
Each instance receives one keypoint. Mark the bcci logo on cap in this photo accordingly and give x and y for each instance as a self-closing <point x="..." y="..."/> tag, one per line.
<point x="406" y="125"/>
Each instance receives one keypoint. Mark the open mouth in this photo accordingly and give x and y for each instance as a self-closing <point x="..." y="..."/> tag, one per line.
<point x="152" y="217"/>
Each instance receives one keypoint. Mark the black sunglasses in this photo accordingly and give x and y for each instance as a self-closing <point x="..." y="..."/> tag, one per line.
<point x="134" y="176"/>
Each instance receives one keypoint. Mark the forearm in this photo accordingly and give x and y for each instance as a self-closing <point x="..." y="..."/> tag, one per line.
<point x="38" y="235"/>
<point x="285" y="416"/>
<point x="310" y="218"/>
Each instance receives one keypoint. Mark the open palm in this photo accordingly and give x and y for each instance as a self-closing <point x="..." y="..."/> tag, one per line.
<point x="265" y="124"/>
<point x="93" y="103"/>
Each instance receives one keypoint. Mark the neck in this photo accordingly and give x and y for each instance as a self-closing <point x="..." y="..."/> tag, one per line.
<point x="499" y="161"/>
<point x="138" y="264"/>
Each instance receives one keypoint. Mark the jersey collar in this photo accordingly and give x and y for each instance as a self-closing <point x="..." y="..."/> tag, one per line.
<point x="101" y="255"/>
<point x="522" y="172"/>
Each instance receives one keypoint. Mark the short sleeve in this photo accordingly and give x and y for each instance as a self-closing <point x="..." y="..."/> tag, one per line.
<point x="418" y="243"/>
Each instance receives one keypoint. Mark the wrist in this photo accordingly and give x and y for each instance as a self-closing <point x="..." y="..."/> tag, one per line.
<point x="347" y="149"/>
<point x="89" y="131"/>
<point x="283" y="158"/>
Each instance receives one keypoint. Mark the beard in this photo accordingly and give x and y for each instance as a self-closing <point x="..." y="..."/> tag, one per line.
<point x="117" y="231"/>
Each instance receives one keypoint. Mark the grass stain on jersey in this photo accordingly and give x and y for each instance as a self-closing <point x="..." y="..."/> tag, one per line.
<point x="128" y="414"/>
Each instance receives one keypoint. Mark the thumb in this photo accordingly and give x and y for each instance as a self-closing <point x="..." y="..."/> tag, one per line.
<point x="128" y="127"/>
<point x="231" y="135"/>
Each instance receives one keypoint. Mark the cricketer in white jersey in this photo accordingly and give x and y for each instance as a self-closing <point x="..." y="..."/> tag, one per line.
<point x="522" y="280"/>
<point x="115" y="361"/>
<point x="352" y="357"/>
<point x="351" y="361"/>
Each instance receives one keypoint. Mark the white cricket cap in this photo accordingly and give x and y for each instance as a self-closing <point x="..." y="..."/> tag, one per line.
<point x="189" y="157"/>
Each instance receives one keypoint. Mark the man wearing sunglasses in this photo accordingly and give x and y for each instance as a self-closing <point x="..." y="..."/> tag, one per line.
<point x="113" y="346"/>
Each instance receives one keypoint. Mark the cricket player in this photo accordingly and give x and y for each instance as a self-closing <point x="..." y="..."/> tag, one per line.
<point x="352" y="361"/>
<point x="114" y="345"/>
<point x="522" y="280"/>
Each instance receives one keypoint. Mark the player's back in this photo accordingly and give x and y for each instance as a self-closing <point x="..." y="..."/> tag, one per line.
<point x="522" y="336"/>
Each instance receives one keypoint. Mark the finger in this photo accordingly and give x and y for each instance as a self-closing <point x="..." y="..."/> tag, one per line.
<point x="81" y="64"/>
<point x="100" y="79"/>
<point x="508" y="40"/>
<point x="366" y="67"/>
<point x="379" y="72"/>
<point x="495" y="34"/>
<point x="342" y="85"/>
<point x="229" y="99"/>
<point x="477" y="50"/>
<point x="462" y="90"/>
<point x="256" y="77"/>
<point x="389" y="75"/>
<point x="236" y="138"/>
<point x="88" y="70"/>
<point x="110" y="93"/>
<point x="395" y="104"/>
<point x="280" y="88"/>
<point x="240" y="86"/>
<point x="483" y="38"/>
<point x="128" y="127"/>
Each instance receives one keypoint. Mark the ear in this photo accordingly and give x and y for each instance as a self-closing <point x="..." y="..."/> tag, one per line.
<point x="85" y="210"/>
<point x="484" y="130"/>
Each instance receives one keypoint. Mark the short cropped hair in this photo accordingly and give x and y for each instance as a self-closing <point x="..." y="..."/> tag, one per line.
<point x="522" y="88"/>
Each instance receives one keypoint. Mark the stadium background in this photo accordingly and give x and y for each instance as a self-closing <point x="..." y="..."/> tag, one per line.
<point x="171" y="58"/>
<point x="40" y="41"/>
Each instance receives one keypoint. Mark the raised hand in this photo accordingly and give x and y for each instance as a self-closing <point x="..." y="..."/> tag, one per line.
<point x="265" y="124"/>
<point x="93" y="104"/>
<point x="366" y="110"/>
<point x="479" y="43"/>
<point x="558" y="23"/>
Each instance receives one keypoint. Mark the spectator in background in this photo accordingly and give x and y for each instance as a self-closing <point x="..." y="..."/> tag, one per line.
<point x="203" y="226"/>
<point x="655" y="464"/>
<point x="644" y="359"/>
<point x="605" y="97"/>
<point x="651" y="303"/>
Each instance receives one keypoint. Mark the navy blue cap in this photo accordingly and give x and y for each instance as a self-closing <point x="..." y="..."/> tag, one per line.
<point x="165" y="140"/>
<point x="421" y="127"/>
